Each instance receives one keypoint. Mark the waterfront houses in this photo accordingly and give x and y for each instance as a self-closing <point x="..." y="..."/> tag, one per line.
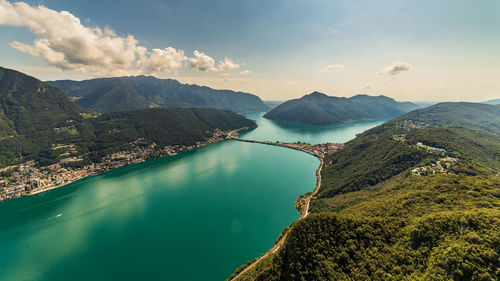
<point x="27" y="178"/>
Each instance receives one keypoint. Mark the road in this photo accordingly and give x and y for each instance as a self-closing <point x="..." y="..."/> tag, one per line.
<point x="304" y="214"/>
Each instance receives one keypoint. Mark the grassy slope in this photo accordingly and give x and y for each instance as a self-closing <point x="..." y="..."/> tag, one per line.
<point x="376" y="221"/>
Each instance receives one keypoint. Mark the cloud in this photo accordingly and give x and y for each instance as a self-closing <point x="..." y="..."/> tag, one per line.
<point x="202" y="62"/>
<point x="64" y="42"/>
<point x="396" y="68"/>
<point x="245" y="72"/>
<point x="228" y="64"/>
<point x="333" y="68"/>
<point x="235" y="76"/>
<point x="167" y="60"/>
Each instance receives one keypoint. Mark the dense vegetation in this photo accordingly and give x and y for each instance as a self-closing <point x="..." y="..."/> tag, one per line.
<point x="112" y="132"/>
<point x="129" y="93"/>
<point x="29" y="112"/>
<point x="36" y="118"/>
<point x="447" y="114"/>
<point x="28" y="105"/>
<point x="318" y="108"/>
<point x="376" y="220"/>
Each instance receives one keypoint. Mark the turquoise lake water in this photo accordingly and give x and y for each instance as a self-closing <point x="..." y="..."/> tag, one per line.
<point x="270" y="130"/>
<point x="195" y="216"/>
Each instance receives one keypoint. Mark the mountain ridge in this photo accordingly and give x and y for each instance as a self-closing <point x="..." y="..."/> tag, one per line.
<point x="493" y="101"/>
<point x="35" y="117"/>
<point x="136" y="92"/>
<point x="319" y="109"/>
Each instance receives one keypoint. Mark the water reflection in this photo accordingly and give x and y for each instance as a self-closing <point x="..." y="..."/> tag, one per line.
<point x="213" y="209"/>
<point x="272" y="130"/>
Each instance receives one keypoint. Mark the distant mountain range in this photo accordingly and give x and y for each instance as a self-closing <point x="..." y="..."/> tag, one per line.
<point x="318" y="108"/>
<point x="129" y="93"/>
<point x="495" y="101"/>
<point x="273" y="103"/>
<point x="35" y="116"/>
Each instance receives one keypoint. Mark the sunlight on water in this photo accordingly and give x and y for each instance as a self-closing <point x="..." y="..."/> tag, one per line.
<point x="211" y="209"/>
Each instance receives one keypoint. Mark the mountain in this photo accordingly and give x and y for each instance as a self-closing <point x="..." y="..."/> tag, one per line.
<point x="110" y="132"/>
<point x="128" y="93"/>
<point x="36" y="119"/>
<point x="450" y="114"/>
<point x="28" y="105"/>
<point x="495" y="101"/>
<point x="318" y="108"/>
<point x="391" y="206"/>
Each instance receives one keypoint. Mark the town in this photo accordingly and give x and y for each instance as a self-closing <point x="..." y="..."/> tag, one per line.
<point x="440" y="166"/>
<point x="409" y="125"/>
<point x="27" y="178"/>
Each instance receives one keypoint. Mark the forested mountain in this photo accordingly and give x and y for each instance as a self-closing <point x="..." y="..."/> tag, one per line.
<point x="128" y="93"/>
<point x="318" y="108"/>
<point x="28" y="105"/>
<point x="449" y="114"/>
<point x="36" y="117"/>
<point x="113" y="131"/>
<point x="407" y="200"/>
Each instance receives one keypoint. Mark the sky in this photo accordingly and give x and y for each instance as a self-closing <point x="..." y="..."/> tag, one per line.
<point x="421" y="50"/>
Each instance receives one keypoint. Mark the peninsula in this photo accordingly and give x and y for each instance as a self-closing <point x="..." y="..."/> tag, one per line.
<point x="414" y="197"/>
<point x="303" y="202"/>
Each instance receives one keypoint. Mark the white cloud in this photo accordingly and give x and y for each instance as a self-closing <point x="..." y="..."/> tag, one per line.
<point x="333" y="68"/>
<point x="167" y="60"/>
<point x="396" y="68"/>
<point x="235" y="76"/>
<point x="227" y="64"/>
<point x="64" y="42"/>
<point x="202" y="62"/>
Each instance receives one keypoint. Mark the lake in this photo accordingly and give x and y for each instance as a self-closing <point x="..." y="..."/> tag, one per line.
<point x="271" y="130"/>
<point x="194" y="216"/>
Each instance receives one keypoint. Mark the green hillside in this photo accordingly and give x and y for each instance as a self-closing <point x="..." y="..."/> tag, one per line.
<point x="380" y="216"/>
<point x="32" y="105"/>
<point x="318" y="108"/>
<point x="128" y="93"/>
<point x="36" y="117"/>
<point x="112" y="132"/>
<point x="458" y="115"/>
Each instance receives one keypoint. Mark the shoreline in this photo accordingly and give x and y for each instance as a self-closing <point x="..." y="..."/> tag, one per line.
<point x="190" y="148"/>
<point x="232" y="135"/>
<point x="303" y="215"/>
